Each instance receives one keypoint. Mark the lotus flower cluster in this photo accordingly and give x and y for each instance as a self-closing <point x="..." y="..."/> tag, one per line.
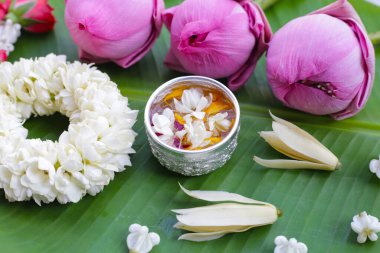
<point x="323" y="63"/>
<point x="121" y="31"/>
<point x="237" y="214"/>
<point x="85" y="158"/>
<point x="217" y="38"/>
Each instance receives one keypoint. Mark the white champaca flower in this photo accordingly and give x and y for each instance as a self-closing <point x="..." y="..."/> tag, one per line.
<point x="283" y="245"/>
<point x="9" y="33"/>
<point x="374" y="166"/>
<point x="196" y="133"/>
<point x="219" y="123"/>
<point x="140" y="240"/>
<point x="193" y="102"/>
<point x="163" y="124"/>
<point x="365" y="225"/>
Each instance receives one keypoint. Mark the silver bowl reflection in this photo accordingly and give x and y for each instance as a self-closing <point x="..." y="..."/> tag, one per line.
<point x="192" y="162"/>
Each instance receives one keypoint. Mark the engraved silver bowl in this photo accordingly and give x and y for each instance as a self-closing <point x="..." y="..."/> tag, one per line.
<point x="192" y="162"/>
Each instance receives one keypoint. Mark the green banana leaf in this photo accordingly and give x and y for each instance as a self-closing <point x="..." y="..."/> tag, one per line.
<point x="317" y="206"/>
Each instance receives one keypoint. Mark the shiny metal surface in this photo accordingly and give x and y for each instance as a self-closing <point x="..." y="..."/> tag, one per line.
<point x="192" y="162"/>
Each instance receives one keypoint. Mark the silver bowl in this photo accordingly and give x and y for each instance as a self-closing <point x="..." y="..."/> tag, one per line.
<point x="192" y="162"/>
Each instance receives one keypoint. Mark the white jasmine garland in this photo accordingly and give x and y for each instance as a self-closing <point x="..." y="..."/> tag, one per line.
<point x="85" y="158"/>
<point x="9" y="33"/>
<point x="283" y="245"/>
<point x="366" y="226"/>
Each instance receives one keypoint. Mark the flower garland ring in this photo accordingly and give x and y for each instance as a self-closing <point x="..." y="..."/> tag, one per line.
<point x="85" y="158"/>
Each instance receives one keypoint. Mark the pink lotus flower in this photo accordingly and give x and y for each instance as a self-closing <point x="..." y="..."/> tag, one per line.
<point x="323" y="63"/>
<point x="38" y="18"/>
<point x="217" y="38"/>
<point x="122" y="31"/>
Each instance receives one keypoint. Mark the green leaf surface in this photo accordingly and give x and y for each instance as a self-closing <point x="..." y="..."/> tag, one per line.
<point x="317" y="206"/>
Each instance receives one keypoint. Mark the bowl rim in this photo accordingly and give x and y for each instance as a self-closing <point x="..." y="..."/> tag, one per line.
<point x="173" y="81"/>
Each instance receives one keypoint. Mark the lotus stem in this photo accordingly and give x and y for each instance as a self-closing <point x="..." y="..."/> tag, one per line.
<point x="375" y="38"/>
<point x="265" y="4"/>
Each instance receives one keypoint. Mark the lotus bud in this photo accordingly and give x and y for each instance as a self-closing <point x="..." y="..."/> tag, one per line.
<point x="323" y="63"/>
<point x="217" y="38"/>
<point x="122" y="31"/>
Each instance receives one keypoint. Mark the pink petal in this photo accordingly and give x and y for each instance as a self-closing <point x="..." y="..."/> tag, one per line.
<point x="321" y="48"/>
<point x="259" y="25"/>
<point x="343" y="10"/>
<point x="120" y="31"/>
<point x="215" y="38"/>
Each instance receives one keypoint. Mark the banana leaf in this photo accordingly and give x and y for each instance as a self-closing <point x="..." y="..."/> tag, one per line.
<point x="317" y="206"/>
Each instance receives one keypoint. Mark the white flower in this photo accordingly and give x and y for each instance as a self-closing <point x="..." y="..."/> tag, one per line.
<point x="219" y="123"/>
<point x="39" y="177"/>
<point x="9" y="33"/>
<point x="85" y="158"/>
<point x="71" y="185"/>
<point x="98" y="178"/>
<point x="283" y="245"/>
<point x="14" y="190"/>
<point x="196" y="133"/>
<point x="374" y="166"/>
<point x="193" y="102"/>
<point x="163" y="124"/>
<point x="365" y="226"/>
<point x="140" y="240"/>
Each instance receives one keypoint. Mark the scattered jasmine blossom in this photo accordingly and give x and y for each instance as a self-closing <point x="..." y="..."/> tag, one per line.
<point x="375" y="2"/>
<point x="283" y="245"/>
<point x="366" y="226"/>
<point x="85" y="158"/>
<point x="140" y="240"/>
<point x="374" y="167"/>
